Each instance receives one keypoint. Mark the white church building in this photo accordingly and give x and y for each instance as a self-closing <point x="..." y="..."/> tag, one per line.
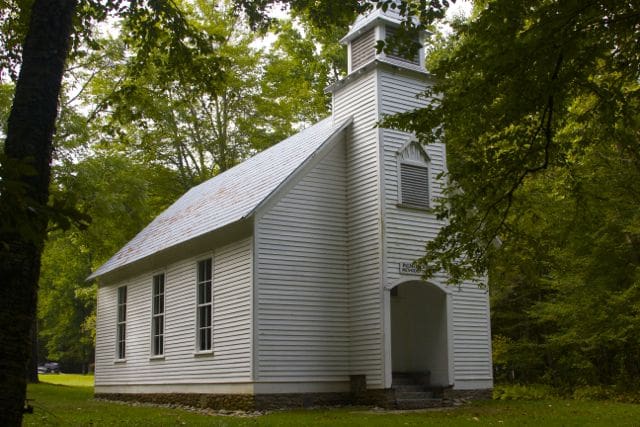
<point x="288" y="280"/>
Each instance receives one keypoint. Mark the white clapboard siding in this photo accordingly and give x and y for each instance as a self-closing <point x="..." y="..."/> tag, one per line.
<point x="301" y="281"/>
<point x="471" y="337"/>
<point x="359" y="99"/>
<point x="408" y="230"/>
<point x="231" y="358"/>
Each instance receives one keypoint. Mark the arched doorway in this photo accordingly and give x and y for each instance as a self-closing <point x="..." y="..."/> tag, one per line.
<point x="419" y="342"/>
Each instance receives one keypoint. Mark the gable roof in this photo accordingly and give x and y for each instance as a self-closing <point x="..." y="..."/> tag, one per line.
<point x="231" y="196"/>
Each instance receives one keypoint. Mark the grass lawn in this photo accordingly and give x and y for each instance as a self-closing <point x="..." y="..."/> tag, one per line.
<point x="72" y="405"/>
<point x="74" y="380"/>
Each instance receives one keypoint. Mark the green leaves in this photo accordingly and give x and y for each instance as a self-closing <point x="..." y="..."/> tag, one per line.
<point x="509" y="86"/>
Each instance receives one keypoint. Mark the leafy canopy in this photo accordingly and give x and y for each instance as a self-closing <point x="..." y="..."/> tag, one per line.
<point x="521" y="89"/>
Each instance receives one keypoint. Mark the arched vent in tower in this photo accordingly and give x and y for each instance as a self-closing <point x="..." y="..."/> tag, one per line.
<point x="413" y="176"/>
<point x="363" y="49"/>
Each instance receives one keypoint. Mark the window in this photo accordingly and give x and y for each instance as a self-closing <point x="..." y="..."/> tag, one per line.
<point x="157" y="318"/>
<point x="413" y="172"/>
<point x="204" y="306"/>
<point x="121" y="328"/>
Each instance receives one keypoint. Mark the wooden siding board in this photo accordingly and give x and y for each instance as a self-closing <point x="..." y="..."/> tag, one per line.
<point x="360" y="98"/>
<point x="231" y="325"/>
<point x="301" y="278"/>
<point x="471" y="334"/>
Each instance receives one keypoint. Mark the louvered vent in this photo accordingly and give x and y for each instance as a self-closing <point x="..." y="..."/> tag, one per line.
<point x="414" y="185"/>
<point x="363" y="50"/>
<point x="395" y="52"/>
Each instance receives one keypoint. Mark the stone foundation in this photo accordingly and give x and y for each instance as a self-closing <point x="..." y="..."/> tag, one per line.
<point x="240" y="402"/>
<point x="235" y="402"/>
<point x="248" y="402"/>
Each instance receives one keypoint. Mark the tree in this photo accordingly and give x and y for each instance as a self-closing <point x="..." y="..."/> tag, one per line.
<point x="28" y="148"/>
<point x="297" y="69"/>
<point x="194" y="128"/>
<point x="565" y="292"/>
<point x="29" y="132"/>
<point x="513" y="88"/>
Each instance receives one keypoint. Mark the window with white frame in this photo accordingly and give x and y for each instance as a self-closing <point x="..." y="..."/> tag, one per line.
<point x="157" y="317"/>
<point x="121" y="323"/>
<point x="204" y="305"/>
<point x="413" y="177"/>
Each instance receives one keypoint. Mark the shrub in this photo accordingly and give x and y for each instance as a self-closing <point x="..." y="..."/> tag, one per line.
<point x="523" y="392"/>
<point x="593" y="392"/>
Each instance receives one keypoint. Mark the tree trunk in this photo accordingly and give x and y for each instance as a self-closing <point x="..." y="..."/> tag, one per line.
<point x="29" y="139"/>
<point x="32" y="366"/>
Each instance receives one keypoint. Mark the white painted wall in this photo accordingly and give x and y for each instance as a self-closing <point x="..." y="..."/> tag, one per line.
<point x="358" y="98"/>
<point x="301" y="282"/>
<point x="231" y="358"/>
<point x="471" y="338"/>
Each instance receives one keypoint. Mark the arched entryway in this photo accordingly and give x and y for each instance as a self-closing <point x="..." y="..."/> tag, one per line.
<point x="419" y="323"/>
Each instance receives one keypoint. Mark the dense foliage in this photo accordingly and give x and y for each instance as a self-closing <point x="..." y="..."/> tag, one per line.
<point x="539" y="105"/>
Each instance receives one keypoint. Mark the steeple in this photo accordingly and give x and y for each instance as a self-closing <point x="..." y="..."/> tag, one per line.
<point x="368" y="29"/>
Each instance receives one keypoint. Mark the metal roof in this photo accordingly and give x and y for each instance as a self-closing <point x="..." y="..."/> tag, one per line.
<point x="368" y="20"/>
<point x="226" y="198"/>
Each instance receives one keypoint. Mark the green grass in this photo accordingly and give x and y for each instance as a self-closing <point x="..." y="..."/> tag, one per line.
<point x="74" y="380"/>
<point x="66" y="405"/>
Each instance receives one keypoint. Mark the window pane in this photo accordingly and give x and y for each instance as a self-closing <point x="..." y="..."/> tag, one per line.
<point x="202" y="339"/>
<point x="203" y="317"/>
<point x="207" y="287"/>
<point x="201" y="269"/>
<point x="208" y="315"/>
<point x="201" y="294"/>
<point x="208" y="270"/>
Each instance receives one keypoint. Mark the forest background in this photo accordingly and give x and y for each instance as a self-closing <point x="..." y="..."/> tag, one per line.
<point x="540" y="107"/>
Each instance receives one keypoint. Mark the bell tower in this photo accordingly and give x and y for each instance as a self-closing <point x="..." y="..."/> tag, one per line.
<point x="379" y="84"/>
<point x="368" y="30"/>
